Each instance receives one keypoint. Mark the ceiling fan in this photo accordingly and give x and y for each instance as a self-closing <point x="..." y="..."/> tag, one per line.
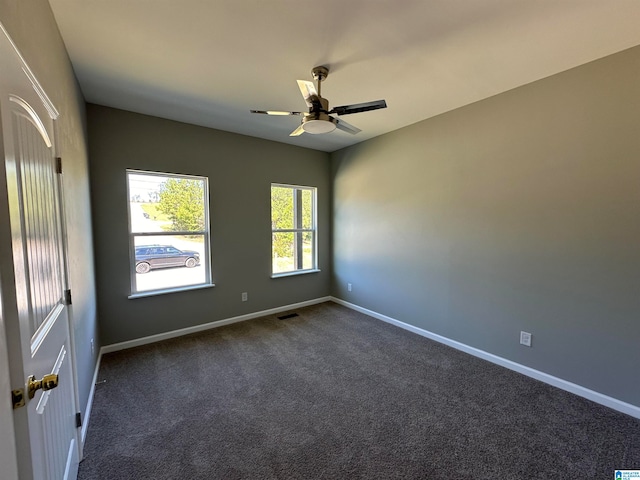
<point x="318" y="119"/>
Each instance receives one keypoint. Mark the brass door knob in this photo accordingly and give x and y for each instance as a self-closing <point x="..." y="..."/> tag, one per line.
<point x="48" y="382"/>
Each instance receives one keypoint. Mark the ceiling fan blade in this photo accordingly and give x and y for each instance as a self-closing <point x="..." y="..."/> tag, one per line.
<point x="297" y="131"/>
<point x="359" y="107"/>
<point x="308" y="91"/>
<point x="275" y="112"/>
<point x="344" y="126"/>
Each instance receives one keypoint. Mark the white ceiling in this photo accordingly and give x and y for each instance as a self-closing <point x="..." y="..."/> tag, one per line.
<point x="208" y="62"/>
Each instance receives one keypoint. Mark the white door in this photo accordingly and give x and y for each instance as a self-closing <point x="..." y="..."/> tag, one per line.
<point x="34" y="311"/>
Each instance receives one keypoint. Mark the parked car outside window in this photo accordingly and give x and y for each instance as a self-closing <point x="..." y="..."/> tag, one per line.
<point x="160" y="256"/>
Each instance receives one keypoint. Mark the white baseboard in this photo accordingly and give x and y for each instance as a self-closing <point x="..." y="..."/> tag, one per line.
<point x="579" y="390"/>
<point x="87" y="411"/>
<point x="207" y="326"/>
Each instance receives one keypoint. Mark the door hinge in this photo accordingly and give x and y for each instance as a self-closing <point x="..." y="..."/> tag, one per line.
<point x="17" y="398"/>
<point x="59" y="165"/>
<point x="67" y="297"/>
<point x="78" y="420"/>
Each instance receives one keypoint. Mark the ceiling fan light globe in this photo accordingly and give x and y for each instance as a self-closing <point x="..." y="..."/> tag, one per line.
<point x="316" y="127"/>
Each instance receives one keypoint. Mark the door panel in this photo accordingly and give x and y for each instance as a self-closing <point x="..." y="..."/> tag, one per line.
<point x="39" y="221"/>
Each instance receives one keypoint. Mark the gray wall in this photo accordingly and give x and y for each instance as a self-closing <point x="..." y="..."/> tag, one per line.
<point x="32" y="27"/>
<point x="520" y="212"/>
<point x="240" y="171"/>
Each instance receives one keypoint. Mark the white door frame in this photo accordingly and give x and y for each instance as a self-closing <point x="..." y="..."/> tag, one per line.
<point x="8" y="453"/>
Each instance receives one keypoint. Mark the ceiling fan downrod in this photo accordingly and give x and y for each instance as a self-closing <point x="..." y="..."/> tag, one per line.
<point x="319" y="74"/>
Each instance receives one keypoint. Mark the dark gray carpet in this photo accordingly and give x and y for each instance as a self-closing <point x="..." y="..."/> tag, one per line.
<point x="334" y="394"/>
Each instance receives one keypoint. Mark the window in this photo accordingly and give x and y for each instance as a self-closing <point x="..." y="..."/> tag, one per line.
<point x="168" y="232"/>
<point x="293" y="229"/>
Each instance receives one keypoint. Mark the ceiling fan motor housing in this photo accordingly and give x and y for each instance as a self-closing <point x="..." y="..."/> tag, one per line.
<point x="318" y="120"/>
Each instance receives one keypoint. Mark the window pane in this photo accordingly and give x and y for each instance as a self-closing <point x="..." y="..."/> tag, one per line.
<point x="144" y="194"/>
<point x="307" y="250"/>
<point x="169" y="261"/>
<point x="307" y="208"/>
<point x="163" y="203"/>
<point x="282" y="208"/>
<point x="284" y="259"/>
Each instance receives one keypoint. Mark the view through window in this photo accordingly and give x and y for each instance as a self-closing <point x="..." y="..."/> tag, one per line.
<point x="293" y="229"/>
<point x="168" y="230"/>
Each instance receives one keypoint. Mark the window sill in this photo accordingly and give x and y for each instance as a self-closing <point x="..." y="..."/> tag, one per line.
<point x="297" y="272"/>
<point x="153" y="293"/>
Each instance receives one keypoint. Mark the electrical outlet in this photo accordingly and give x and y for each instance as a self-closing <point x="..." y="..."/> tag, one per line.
<point x="525" y="339"/>
<point x="245" y="296"/>
<point x="349" y="286"/>
<point x="92" y="347"/>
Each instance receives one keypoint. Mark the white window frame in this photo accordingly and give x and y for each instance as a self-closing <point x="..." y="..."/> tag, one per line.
<point x="204" y="262"/>
<point x="298" y="220"/>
